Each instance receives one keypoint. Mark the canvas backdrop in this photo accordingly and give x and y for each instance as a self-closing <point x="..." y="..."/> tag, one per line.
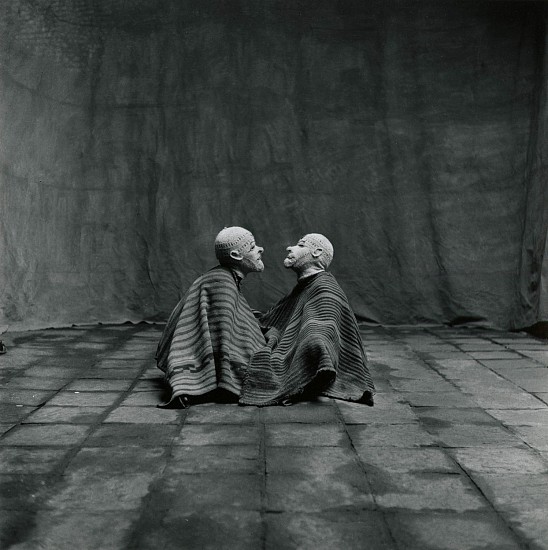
<point x="412" y="134"/>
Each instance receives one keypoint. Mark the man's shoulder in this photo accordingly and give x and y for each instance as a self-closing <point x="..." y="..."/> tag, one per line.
<point x="218" y="274"/>
<point x="326" y="282"/>
<point x="216" y="278"/>
<point x="325" y="285"/>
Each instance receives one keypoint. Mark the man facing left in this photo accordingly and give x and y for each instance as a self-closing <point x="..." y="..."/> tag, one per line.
<point x="212" y="332"/>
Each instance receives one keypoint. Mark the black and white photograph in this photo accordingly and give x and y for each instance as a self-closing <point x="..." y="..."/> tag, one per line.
<point x="273" y="275"/>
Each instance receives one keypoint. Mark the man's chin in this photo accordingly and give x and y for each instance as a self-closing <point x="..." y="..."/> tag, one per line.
<point x="289" y="263"/>
<point x="249" y="266"/>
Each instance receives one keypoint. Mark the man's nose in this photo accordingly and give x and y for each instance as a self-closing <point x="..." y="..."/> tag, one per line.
<point x="261" y="249"/>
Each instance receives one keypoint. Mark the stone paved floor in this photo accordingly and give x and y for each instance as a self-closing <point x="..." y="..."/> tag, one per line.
<point x="453" y="456"/>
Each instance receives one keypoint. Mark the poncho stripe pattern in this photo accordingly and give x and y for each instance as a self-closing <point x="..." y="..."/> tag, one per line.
<point x="209" y="337"/>
<point x="313" y="339"/>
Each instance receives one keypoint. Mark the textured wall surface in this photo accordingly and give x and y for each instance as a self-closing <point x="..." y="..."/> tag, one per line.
<point x="410" y="133"/>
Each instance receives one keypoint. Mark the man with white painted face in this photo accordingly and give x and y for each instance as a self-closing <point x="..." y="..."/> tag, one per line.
<point x="313" y="341"/>
<point x="212" y="333"/>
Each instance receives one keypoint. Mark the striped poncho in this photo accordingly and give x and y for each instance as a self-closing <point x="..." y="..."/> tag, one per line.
<point x="313" y="343"/>
<point x="209" y="337"/>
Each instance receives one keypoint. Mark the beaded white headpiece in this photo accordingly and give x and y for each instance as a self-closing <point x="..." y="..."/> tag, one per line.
<point x="231" y="238"/>
<point x="316" y="240"/>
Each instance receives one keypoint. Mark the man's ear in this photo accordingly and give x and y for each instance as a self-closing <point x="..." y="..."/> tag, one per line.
<point x="317" y="252"/>
<point x="235" y="255"/>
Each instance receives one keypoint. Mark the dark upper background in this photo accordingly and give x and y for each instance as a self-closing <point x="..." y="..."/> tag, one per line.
<point x="413" y="134"/>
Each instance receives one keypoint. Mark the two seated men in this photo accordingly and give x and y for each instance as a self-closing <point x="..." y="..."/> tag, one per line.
<point x="307" y="345"/>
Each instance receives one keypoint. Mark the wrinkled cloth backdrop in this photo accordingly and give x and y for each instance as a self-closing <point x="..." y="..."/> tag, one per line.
<point x="413" y="134"/>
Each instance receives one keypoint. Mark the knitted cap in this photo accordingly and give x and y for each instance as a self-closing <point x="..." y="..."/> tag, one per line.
<point x="316" y="240"/>
<point x="231" y="238"/>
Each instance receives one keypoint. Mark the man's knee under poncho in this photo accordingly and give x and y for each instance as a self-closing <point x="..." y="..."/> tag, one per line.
<point x="209" y="337"/>
<point x="313" y="341"/>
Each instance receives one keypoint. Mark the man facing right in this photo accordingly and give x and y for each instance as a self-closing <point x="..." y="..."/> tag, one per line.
<point x="313" y="341"/>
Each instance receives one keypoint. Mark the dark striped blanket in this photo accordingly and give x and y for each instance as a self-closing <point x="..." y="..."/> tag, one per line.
<point x="313" y="343"/>
<point x="209" y="337"/>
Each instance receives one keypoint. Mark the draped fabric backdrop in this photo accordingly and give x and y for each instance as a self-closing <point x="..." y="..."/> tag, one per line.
<point x="411" y="133"/>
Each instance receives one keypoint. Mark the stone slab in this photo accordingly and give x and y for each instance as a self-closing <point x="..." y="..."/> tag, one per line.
<point x="17" y="460"/>
<point x="188" y="493"/>
<point x="317" y="493"/>
<point x="51" y="372"/>
<point x="112" y="435"/>
<point x="209" y="529"/>
<point x="446" y="416"/>
<point x="453" y="369"/>
<point x="542" y="397"/>
<point x="516" y="417"/>
<point x="501" y="399"/>
<point x="119" y="365"/>
<point x="393" y="435"/>
<point x="472" y="435"/>
<point x="388" y="459"/>
<point x="320" y="460"/>
<point x="91" y="384"/>
<point x="515" y="493"/>
<point x="212" y="413"/>
<point x="440" y="399"/>
<point x="125" y="355"/>
<point x="450" y="531"/>
<point x="292" y="531"/>
<point x="155" y="384"/>
<point x="144" y="399"/>
<point x="502" y="365"/>
<point x="540" y="356"/>
<point x="217" y="434"/>
<point x="516" y="339"/>
<point x="456" y="354"/>
<point x="105" y="374"/>
<point x="15" y="526"/>
<point x="46" y="435"/>
<point x="151" y="374"/>
<point x="396" y="413"/>
<point x="109" y="493"/>
<point x="518" y="345"/>
<point x="37" y="383"/>
<point x="308" y="413"/>
<point x="305" y="435"/>
<point x="488" y="355"/>
<point x="6" y="427"/>
<point x="142" y="415"/>
<point x="65" y="415"/>
<point x="26" y="491"/>
<point x="413" y="385"/>
<point x="129" y="459"/>
<point x="426" y="491"/>
<point x="531" y="526"/>
<point x="84" y="399"/>
<point x="83" y="530"/>
<point x="90" y="346"/>
<point x="240" y="459"/>
<point x="530" y="379"/>
<point x="24" y="397"/>
<point x="479" y="389"/>
<point x="10" y="413"/>
<point x="480" y="346"/>
<point x="535" y="436"/>
<point x="500" y="460"/>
